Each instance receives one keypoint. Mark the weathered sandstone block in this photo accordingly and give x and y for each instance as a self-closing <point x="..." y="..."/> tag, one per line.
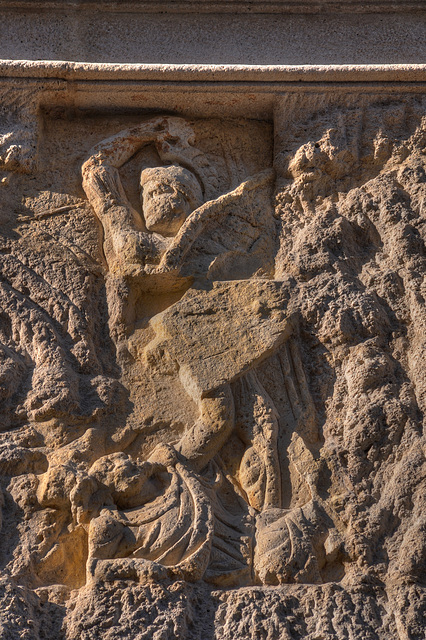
<point x="212" y="327"/>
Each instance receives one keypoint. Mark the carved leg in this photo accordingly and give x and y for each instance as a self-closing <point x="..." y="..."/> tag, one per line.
<point x="200" y="443"/>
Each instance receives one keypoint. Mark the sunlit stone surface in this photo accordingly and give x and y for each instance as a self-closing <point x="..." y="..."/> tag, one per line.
<point x="212" y="321"/>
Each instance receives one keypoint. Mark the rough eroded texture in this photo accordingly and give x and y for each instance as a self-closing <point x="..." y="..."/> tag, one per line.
<point x="212" y="376"/>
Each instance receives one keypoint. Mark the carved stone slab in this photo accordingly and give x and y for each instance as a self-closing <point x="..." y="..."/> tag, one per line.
<point x="212" y="323"/>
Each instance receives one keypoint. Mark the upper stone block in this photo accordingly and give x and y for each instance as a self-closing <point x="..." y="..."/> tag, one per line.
<point x="215" y="32"/>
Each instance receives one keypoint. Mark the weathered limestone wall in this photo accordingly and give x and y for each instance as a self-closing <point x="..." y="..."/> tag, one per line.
<point x="265" y="33"/>
<point x="212" y="320"/>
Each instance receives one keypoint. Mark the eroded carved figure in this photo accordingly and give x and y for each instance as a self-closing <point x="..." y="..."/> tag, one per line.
<point x="221" y="381"/>
<point x="198" y="506"/>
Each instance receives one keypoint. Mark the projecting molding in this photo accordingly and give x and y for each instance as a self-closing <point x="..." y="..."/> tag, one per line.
<point x="213" y="73"/>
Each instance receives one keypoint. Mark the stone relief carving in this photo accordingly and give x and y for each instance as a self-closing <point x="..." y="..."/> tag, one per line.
<point x="220" y="382"/>
<point x="211" y="340"/>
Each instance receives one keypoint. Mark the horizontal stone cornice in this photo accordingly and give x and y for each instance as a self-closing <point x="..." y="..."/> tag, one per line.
<point x="211" y="73"/>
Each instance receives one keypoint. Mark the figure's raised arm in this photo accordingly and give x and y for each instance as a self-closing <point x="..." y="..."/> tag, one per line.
<point x="101" y="179"/>
<point x="123" y="243"/>
<point x="117" y="149"/>
<point x="166" y="203"/>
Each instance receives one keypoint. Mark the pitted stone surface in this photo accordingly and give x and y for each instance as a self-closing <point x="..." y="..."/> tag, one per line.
<point x="212" y="336"/>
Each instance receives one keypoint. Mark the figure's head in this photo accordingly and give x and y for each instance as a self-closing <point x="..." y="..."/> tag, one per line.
<point x="169" y="195"/>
